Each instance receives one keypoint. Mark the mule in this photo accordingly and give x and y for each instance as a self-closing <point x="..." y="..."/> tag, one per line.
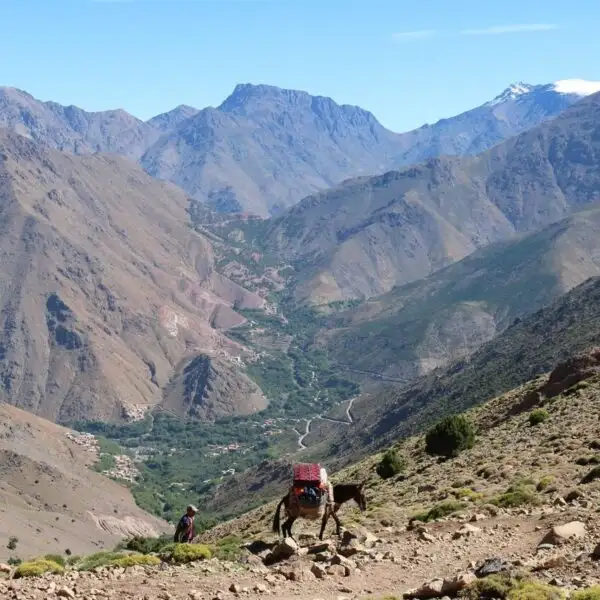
<point x="342" y="493"/>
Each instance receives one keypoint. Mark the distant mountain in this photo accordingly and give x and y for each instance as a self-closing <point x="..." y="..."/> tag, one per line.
<point x="169" y="120"/>
<point x="518" y="108"/>
<point x="427" y="324"/>
<point x="368" y="235"/>
<point x="71" y="129"/>
<point x="108" y="294"/>
<point x="265" y="148"/>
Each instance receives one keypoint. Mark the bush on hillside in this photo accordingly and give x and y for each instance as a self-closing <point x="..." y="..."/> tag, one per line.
<point x="133" y="560"/>
<point x="36" y="568"/>
<point x="590" y="593"/>
<point x="515" y="495"/>
<point x="537" y="416"/>
<point x="450" y="436"/>
<point x="392" y="463"/>
<point x="57" y="558"/>
<point x="146" y="545"/>
<point x="439" y="510"/>
<point x="592" y="475"/>
<point x="534" y="590"/>
<point x="185" y="553"/>
<point x="99" y="559"/>
<point x="493" y="586"/>
<point x="228" y="548"/>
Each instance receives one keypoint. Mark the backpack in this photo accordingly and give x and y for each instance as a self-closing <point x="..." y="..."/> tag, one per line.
<point x="180" y="530"/>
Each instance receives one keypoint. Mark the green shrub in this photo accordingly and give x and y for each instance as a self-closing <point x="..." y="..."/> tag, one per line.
<point x="592" y="475"/>
<point x="467" y="493"/>
<point x="450" y="436"/>
<point x="516" y="495"/>
<point x="440" y="510"/>
<point x="228" y="548"/>
<point x="533" y="590"/>
<point x="146" y="545"/>
<point x="14" y="561"/>
<point x="392" y="463"/>
<point x="12" y="543"/>
<point x="591" y="593"/>
<point x="492" y="586"/>
<point x="57" y="558"/>
<point x="132" y="560"/>
<point x="544" y="482"/>
<point x="185" y="553"/>
<point x="537" y="416"/>
<point x="99" y="559"/>
<point x="35" y="568"/>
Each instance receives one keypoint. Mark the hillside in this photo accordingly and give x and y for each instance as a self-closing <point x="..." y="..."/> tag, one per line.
<point x="369" y="234"/>
<point x="424" y="325"/>
<point x="499" y="500"/>
<point x="51" y="500"/>
<point x="526" y="349"/>
<point x="106" y="289"/>
<point x="512" y="516"/>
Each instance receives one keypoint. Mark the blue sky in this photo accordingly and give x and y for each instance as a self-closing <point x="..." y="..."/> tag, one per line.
<point x="409" y="62"/>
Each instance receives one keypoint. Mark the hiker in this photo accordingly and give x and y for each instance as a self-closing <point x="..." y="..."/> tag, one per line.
<point x="184" y="533"/>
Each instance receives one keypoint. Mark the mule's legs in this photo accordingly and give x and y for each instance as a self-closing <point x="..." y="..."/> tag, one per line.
<point x="338" y="523"/>
<point x="287" y="527"/>
<point x="323" y="524"/>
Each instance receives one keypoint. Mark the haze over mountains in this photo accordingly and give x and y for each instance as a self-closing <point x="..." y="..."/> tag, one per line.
<point x="264" y="148"/>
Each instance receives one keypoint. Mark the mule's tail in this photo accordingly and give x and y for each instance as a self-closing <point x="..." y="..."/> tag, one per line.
<point x="276" y="519"/>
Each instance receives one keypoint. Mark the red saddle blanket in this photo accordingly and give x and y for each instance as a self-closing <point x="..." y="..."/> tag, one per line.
<point x="307" y="473"/>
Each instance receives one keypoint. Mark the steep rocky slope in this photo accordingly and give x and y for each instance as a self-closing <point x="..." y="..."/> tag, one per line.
<point x="370" y="234"/>
<point x="528" y="348"/>
<point x="426" y="324"/>
<point x="105" y="286"/>
<point x="51" y="500"/>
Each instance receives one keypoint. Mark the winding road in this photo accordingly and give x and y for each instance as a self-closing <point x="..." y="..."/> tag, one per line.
<point x="349" y="421"/>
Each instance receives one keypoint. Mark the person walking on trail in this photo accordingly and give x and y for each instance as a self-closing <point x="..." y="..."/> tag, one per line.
<point x="184" y="533"/>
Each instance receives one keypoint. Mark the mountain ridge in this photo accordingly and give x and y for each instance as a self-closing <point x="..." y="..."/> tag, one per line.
<point x="276" y="146"/>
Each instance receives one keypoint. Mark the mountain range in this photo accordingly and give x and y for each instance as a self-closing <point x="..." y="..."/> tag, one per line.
<point x="265" y="148"/>
<point x="370" y="234"/>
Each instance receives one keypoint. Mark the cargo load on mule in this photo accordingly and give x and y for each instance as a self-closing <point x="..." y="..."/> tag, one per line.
<point x="309" y="488"/>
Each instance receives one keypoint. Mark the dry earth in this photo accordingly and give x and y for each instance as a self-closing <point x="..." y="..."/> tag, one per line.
<point x="386" y="552"/>
<point x="49" y="497"/>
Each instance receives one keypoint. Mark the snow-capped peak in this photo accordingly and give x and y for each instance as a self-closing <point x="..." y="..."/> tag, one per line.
<point x="514" y="90"/>
<point x="579" y="87"/>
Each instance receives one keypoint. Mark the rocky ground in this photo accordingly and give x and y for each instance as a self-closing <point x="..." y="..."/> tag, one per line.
<point x="523" y="500"/>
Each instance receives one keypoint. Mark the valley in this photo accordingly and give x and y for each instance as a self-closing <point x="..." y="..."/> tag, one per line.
<point x="317" y="288"/>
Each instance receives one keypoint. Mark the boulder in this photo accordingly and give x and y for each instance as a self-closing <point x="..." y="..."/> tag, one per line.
<point x="318" y="571"/>
<point x="492" y="566"/>
<point x="466" y="531"/>
<point x="433" y="589"/>
<point x="560" y="534"/>
<point x="452" y="586"/>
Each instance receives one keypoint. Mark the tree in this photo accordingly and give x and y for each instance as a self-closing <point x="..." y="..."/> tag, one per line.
<point x="450" y="436"/>
<point x="392" y="463"/>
